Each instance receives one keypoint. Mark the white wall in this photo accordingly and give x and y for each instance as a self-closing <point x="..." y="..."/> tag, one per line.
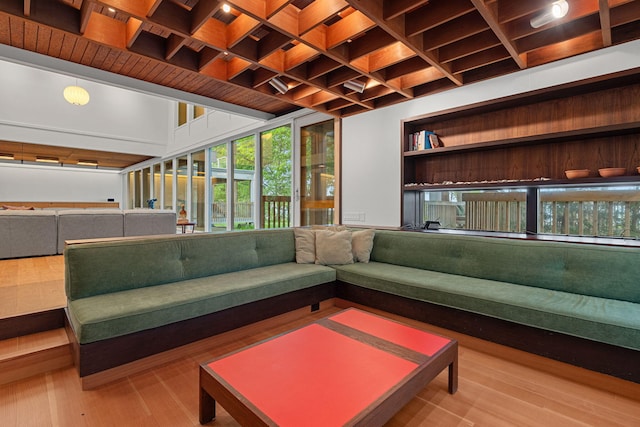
<point x="213" y="126"/>
<point x="371" y="141"/>
<point x="35" y="183"/>
<point x="33" y="110"/>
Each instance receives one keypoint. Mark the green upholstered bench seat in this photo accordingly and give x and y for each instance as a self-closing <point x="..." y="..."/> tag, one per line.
<point x="119" y="313"/>
<point x="607" y="320"/>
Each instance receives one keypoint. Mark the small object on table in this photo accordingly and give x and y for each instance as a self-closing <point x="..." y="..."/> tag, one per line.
<point x="577" y="173"/>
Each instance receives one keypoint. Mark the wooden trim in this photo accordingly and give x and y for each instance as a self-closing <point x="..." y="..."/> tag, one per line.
<point x="608" y="359"/>
<point x="66" y="205"/>
<point x="26" y="324"/>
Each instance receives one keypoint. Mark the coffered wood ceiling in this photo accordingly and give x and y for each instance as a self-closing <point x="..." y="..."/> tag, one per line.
<point x="401" y="49"/>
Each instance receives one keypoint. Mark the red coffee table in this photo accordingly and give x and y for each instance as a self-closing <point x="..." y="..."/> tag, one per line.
<point x="350" y="368"/>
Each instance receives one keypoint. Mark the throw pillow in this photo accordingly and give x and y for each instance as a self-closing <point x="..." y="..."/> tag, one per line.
<point x="362" y="244"/>
<point x="18" y="208"/>
<point x="305" y="245"/>
<point x="329" y="227"/>
<point x="333" y="247"/>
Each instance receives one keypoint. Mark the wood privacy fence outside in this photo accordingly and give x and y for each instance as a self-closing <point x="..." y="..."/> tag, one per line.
<point x="612" y="213"/>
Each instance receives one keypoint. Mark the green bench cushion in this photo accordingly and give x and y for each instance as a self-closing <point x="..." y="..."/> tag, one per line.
<point x="119" y="313"/>
<point x="606" y="320"/>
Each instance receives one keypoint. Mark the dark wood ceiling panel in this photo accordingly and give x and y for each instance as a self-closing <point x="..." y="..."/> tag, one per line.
<point x="401" y="49"/>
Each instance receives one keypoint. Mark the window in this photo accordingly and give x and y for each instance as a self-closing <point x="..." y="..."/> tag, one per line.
<point x="157" y="185"/>
<point x="198" y="111"/>
<point x="197" y="189"/>
<point x="591" y="211"/>
<point x="182" y="113"/>
<point x="244" y="175"/>
<point x="482" y="210"/>
<point x="168" y="185"/>
<point x="182" y="174"/>
<point x="218" y="187"/>
<point x="276" y="171"/>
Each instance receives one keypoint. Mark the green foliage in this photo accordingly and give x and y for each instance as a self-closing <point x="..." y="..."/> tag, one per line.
<point x="276" y="162"/>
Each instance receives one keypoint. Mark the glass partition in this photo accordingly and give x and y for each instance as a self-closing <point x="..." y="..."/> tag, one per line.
<point x="481" y="210"/>
<point x="146" y="186"/>
<point x="276" y="169"/>
<point x="182" y="174"/>
<point x="197" y="190"/>
<point x="168" y="185"/>
<point x="157" y="185"/>
<point x="612" y="211"/>
<point x="244" y="175"/>
<point x="317" y="174"/>
<point x="218" y="187"/>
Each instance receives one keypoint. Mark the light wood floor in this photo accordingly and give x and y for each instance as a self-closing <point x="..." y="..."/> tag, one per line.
<point x="29" y="285"/>
<point x="497" y="387"/>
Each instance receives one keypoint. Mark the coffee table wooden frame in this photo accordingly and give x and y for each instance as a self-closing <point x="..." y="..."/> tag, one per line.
<point x="215" y="388"/>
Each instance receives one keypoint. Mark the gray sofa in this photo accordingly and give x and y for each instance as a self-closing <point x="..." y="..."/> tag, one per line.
<point x="578" y="303"/>
<point x="27" y="233"/>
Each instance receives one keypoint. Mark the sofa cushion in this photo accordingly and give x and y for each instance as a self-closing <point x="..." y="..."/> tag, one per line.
<point x="606" y="320"/>
<point x="120" y="313"/>
<point x="333" y="247"/>
<point x="362" y="244"/>
<point x="96" y="268"/>
<point x="594" y="270"/>
<point x="305" y="245"/>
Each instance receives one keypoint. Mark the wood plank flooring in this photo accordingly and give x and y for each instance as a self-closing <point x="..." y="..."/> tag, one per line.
<point x="29" y="285"/>
<point x="498" y="386"/>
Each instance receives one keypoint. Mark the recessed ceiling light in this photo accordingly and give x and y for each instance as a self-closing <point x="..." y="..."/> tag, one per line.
<point x="112" y="10"/>
<point x="47" y="159"/>
<point x="88" y="162"/>
<point x="6" y="156"/>
<point x="226" y="8"/>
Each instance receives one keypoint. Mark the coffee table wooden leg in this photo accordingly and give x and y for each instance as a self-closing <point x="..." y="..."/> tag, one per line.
<point x="207" y="407"/>
<point x="453" y="374"/>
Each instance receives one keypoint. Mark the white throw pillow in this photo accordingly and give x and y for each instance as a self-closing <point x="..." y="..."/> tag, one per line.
<point x="305" y="245"/>
<point x="362" y="244"/>
<point x="333" y="247"/>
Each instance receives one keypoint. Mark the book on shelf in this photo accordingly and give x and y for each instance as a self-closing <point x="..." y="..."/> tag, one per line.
<point x="423" y="140"/>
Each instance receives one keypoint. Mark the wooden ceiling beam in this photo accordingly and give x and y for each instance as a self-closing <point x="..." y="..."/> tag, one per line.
<point x="213" y="33"/>
<point x="134" y="28"/>
<point x="390" y="55"/>
<point x="173" y="17"/>
<point x="372" y="41"/>
<point x="274" y="6"/>
<point x="206" y="56"/>
<point x="270" y="43"/>
<point x="466" y="47"/>
<point x="454" y="30"/>
<point x="406" y="67"/>
<point x="27" y="7"/>
<point x="434" y="14"/>
<point x="579" y="27"/>
<point x="174" y="44"/>
<point x="102" y="29"/>
<point x="511" y="10"/>
<point x="85" y="14"/>
<point x="318" y="12"/>
<point x="394" y="8"/>
<point x="566" y="48"/>
<point x="347" y="29"/>
<point x="236" y="66"/>
<point x="140" y="8"/>
<point x="239" y="29"/>
<point x="605" y="22"/>
<point x="396" y="27"/>
<point x="625" y="14"/>
<point x="262" y="76"/>
<point x="299" y="54"/>
<point x="202" y="11"/>
<point x="321" y="66"/>
<point x="480" y="59"/>
<point x="490" y="16"/>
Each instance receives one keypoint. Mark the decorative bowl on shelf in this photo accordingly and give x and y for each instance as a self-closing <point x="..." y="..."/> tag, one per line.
<point x="610" y="172"/>
<point x="577" y="173"/>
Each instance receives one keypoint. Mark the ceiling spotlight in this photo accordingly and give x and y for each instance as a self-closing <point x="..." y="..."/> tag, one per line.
<point x="226" y="8"/>
<point x="557" y="10"/>
<point x="111" y="10"/>
<point x="355" y="85"/>
<point x="279" y="85"/>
